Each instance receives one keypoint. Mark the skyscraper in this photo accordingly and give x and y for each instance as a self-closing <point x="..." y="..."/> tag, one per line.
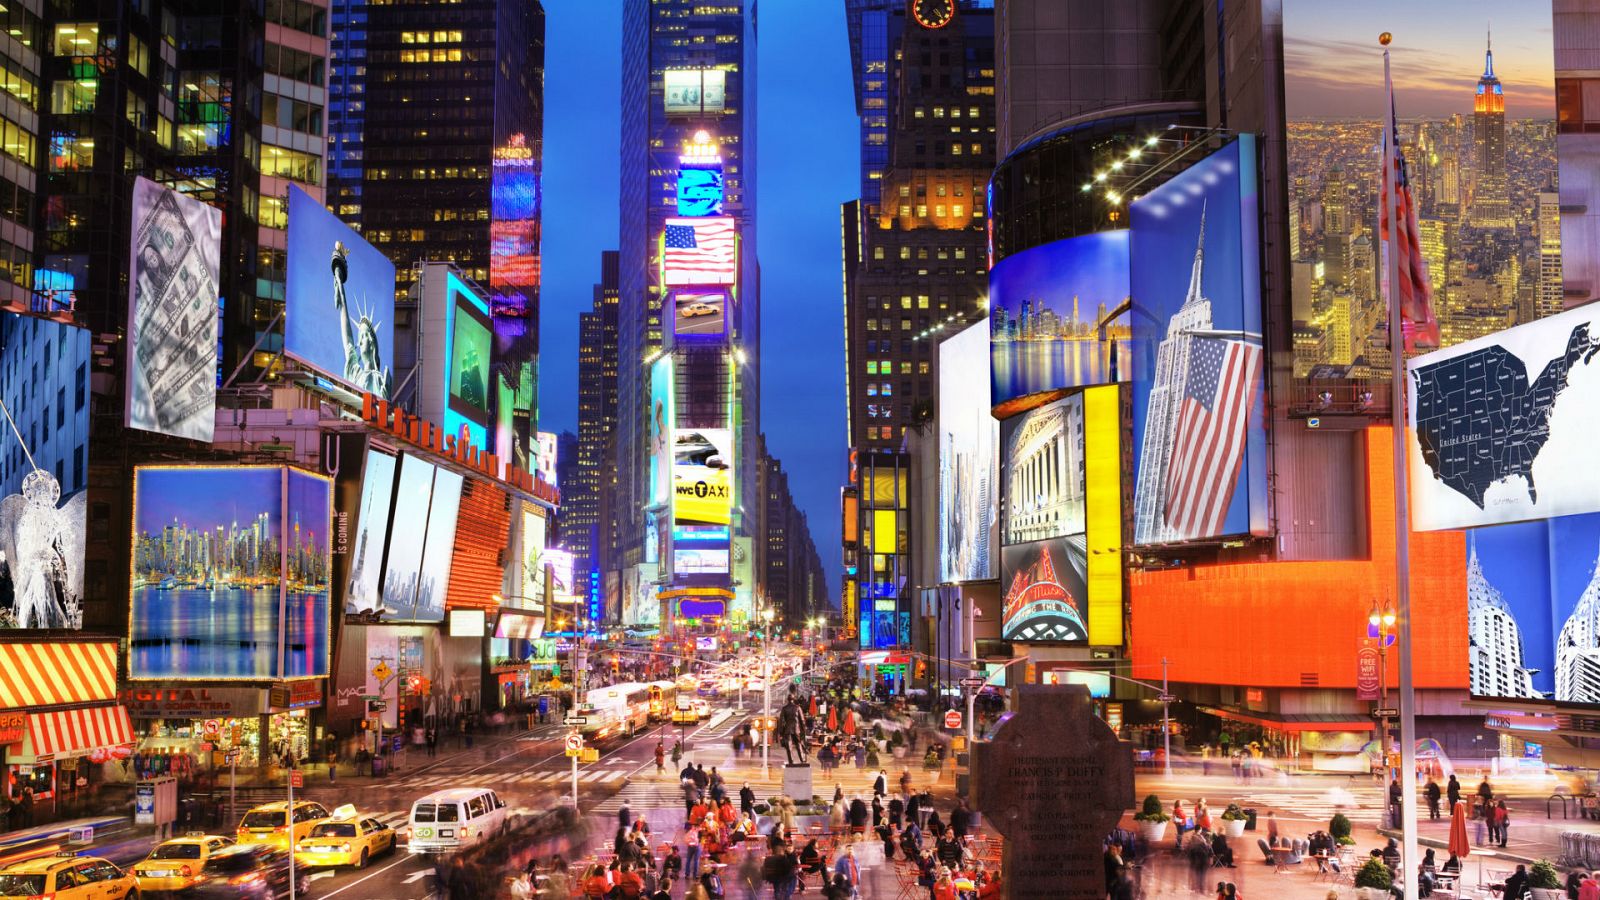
<point x="1496" y="668"/>
<point x="584" y="532"/>
<point x="451" y="147"/>
<point x="688" y="67"/>
<point x="1548" y="220"/>
<point x="1491" y="192"/>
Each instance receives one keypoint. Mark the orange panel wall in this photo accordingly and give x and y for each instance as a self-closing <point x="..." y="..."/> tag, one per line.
<point x="1298" y="624"/>
<point x="483" y="529"/>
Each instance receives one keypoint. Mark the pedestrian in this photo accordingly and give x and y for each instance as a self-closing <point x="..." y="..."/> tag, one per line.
<point x="691" y="853"/>
<point x="960" y="820"/>
<point x="25" y="806"/>
<point x="1395" y="799"/>
<point x="661" y="757"/>
<point x="880" y="785"/>
<point x="1502" y="821"/>
<point x="1432" y="792"/>
<point x="897" y="809"/>
<point x="1485" y="792"/>
<point x="1272" y="829"/>
<point x="624" y="816"/>
<point x="433" y="742"/>
<point x="905" y="781"/>
<point x="847" y="866"/>
<point x="1199" y="856"/>
<point x="747" y="800"/>
<point x="1452" y="790"/>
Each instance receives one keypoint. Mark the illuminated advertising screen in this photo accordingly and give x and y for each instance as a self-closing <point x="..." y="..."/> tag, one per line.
<point x="702" y="476"/>
<point x="363" y="593"/>
<point x="338" y="315"/>
<point x="44" y="368"/>
<point x="548" y="457"/>
<point x="308" y="563"/>
<point x="1104" y="478"/>
<point x="700" y="190"/>
<point x="230" y="573"/>
<point x="693" y="92"/>
<point x="406" y="597"/>
<point x="662" y="421"/>
<point x="698" y="313"/>
<point x="1199" y="437"/>
<point x="699" y="561"/>
<point x="702" y="607"/>
<point x="173" y="262"/>
<point x="468" y="623"/>
<point x="438" y="549"/>
<point x="1059" y="316"/>
<point x="968" y="475"/>
<point x="1478" y="135"/>
<point x="467" y="347"/>
<point x="699" y="251"/>
<point x="1045" y="591"/>
<point x="533" y="537"/>
<point x="514" y="207"/>
<point x="1504" y="427"/>
<point x="1044" y="459"/>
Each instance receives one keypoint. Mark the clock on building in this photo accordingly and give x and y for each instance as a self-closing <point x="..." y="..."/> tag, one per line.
<point x="933" y="13"/>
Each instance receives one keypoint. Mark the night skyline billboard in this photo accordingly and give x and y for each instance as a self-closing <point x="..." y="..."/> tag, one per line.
<point x="1504" y="427"/>
<point x="1198" y="382"/>
<point x="216" y="573"/>
<point x="969" y="438"/>
<point x="44" y="383"/>
<point x="444" y="508"/>
<point x="338" y="313"/>
<point x="1051" y="316"/>
<point x="364" y="592"/>
<point x="173" y="265"/>
<point x="702" y="476"/>
<point x="412" y="494"/>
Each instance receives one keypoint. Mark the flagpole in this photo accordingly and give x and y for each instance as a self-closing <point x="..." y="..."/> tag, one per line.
<point x="1402" y="517"/>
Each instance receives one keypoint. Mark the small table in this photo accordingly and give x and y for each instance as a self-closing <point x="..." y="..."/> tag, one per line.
<point x="1280" y="859"/>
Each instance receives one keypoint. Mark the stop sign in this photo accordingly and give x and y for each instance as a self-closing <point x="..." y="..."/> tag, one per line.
<point x="952" y="719"/>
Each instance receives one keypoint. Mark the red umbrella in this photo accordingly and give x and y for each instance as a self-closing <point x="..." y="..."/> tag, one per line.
<point x="833" y="718"/>
<point x="1459" y="845"/>
<point x="813" y="712"/>
<point x="849" y="722"/>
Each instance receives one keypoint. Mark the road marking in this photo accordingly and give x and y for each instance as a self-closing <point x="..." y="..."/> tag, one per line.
<point x="375" y="873"/>
<point x="415" y="877"/>
<point x="325" y="873"/>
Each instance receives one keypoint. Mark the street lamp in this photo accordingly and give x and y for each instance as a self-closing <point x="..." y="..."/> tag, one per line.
<point x="1381" y="628"/>
<point x="766" y="687"/>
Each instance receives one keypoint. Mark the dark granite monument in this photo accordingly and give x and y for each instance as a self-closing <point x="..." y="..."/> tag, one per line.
<point x="1054" y="780"/>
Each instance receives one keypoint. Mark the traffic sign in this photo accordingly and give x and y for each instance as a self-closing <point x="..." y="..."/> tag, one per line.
<point x="296" y="779"/>
<point x="379" y="705"/>
<point x="574" y="752"/>
<point x="1166" y="698"/>
<point x="589" y="755"/>
<point x="952" y="719"/>
<point x="974" y="682"/>
<point x="577" y="720"/>
<point x="370" y="697"/>
<point x="381" y="671"/>
<point x="574" y="741"/>
<point x="1386" y="712"/>
<point x="212" y="727"/>
<point x="230" y="758"/>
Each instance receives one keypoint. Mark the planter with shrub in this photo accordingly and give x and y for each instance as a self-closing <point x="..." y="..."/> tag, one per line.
<point x="1545" y="881"/>
<point x="1374" y="879"/>
<point x="1233" y="819"/>
<point x="1152" y="819"/>
<point x="1339" y="830"/>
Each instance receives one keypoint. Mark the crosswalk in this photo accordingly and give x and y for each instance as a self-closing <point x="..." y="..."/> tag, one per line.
<point x="642" y="795"/>
<point x="492" y="780"/>
<point x="1318" y="806"/>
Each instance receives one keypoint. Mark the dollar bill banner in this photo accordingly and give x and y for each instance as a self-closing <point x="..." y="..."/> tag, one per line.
<point x="172" y="313"/>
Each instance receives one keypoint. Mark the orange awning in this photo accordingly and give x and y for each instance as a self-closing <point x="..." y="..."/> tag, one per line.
<point x="74" y="732"/>
<point x="58" y="673"/>
<point x="1293" y="722"/>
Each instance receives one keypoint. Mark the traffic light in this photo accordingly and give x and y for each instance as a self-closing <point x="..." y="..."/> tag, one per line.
<point x="922" y="668"/>
<point x="366" y="725"/>
<point x="414" y="684"/>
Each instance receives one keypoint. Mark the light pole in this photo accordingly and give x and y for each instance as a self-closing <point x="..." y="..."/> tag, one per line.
<point x="1380" y="628"/>
<point x="766" y="689"/>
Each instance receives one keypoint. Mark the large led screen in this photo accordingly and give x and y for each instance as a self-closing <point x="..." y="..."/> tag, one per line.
<point x="230" y="573"/>
<point x="1478" y="137"/>
<point x="1044" y="591"/>
<point x="533" y="538"/>
<point x="969" y="488"/>
<point x="412" y="494"/>
<point x="699" y="313"/>
<point x="308" y="561"/>
<point x="700" y="190"/>
<point x="44" y="368"/>
<point x="363" y="594"/>
<point x="439" y="548"/>
<point x="338" y="315"/>
<point x="1504" y="427"/>
<point x="1044" y="472"/>
<point x="176" y="250"/>
<point x="702" y="476"/>
<point x="467" y="349"/>
<point x="692" y="92"/>
<point x="1199" y="438"/>
<point x="662" y="421"/>
<point x="1058" y="316"/>
<point x="700" y="251"/>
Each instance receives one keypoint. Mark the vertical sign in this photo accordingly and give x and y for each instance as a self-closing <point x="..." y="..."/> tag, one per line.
<point x="1369" y="668"/>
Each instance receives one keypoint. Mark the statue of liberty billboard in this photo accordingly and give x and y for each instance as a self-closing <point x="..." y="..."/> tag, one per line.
<point x="363" y="360"/>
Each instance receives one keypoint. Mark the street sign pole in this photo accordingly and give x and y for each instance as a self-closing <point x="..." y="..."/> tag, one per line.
<point x="288" y="815"/>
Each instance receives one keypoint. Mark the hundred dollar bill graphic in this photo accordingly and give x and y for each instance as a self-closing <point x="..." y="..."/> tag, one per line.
<point x="172" y="316"/>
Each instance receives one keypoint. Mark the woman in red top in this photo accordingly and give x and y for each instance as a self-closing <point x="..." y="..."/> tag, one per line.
<point x="596" y="884"/>
<point x="630" y="885"/>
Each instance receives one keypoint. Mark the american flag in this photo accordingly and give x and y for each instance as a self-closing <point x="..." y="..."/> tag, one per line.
<point x="698" y="251"/>
<point x="1208" y="446"/>
<point x="1418" y="322"/>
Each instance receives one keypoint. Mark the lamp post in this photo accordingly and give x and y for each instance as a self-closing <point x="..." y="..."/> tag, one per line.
<point x="1381" y="628"/>
<point x="766" y="688"/>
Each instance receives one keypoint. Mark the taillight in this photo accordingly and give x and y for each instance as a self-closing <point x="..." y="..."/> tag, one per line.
<point x="247" y="878"/>
<point x="466" y="831"/>
<point x="281" y="829"/>
<point x="41" y="897"/>
<point x="186" y="871"/>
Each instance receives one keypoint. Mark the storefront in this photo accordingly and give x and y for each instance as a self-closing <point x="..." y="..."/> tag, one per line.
<point x="63" y="731"/>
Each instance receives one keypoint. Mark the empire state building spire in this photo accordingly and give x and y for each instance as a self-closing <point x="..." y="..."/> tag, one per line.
<point x="1488" y="56"/>
<point x="1491" y="190"/>
<point x="1199" y="262"/>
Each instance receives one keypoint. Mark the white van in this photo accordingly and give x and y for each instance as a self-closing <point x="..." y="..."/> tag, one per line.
<point x="454" y="819"/>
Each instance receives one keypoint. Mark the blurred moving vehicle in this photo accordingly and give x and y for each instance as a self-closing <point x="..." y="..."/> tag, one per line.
<point x="269" y="823"/>
<point x="348" y="838"/>
<point x="66" y="876"/>
<point x="175" y="865"/>
<point x="253" y="871"/>
<point x="454" y="819"/>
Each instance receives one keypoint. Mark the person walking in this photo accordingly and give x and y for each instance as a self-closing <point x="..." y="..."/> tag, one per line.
<point x="661" y="757"/>
<point x="1502" y="821"/>
<point x="960" y="820"/>
<point x="1433" y="793"/>
<point x="847" y="866"/>
<point x="747" y="800"/>
<point x="432" y="738"/>
<point x="1452" y="791"/>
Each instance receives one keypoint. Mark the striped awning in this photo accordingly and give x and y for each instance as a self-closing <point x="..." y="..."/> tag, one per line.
<point x="74" y="732"/>
<point x="57" y="673"/>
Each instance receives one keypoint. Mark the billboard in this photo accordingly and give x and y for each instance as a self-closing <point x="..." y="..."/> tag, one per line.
<point x="533" y="538"/>
<point x="44" y="368"/>
<point x="968" y="474"/>
<point x="363" y="593"/>
<point x="1104" y="473"/>
<point x="699" y="251"/>
<point x="700" y="561"/>
<point x="1059" y="317"/>
<point x="1477" y="132"/>
<point x="229" y="573"/>
<point x="438" y="548"/>
<point x="702" y="476"/>
<point x="1045" y="592"/>
<point x="404" y="561"/>
<point x="693" y="92"/>
<point x="701" y="190"/>
<point x="468" y="337"/>
<point x="548" y="458"/>
<point x="699" y="313"/>
<point x="1198" y="421"/>
<point x="171" y="380"/>
<point x="338" y="314"/>
<point x="1504" y="427"/>
<point x="662" y="422"/>
<point x="1043" y="454"/>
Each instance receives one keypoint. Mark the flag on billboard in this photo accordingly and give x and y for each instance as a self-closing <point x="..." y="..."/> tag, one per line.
<point x="1420" y="326"/>
<point x="698" y="251"/>
<point x="1209" y="444"/>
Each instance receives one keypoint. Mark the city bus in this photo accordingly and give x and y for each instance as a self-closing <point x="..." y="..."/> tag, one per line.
<point x="663" y="697"/>
<point x="618" y="710"/>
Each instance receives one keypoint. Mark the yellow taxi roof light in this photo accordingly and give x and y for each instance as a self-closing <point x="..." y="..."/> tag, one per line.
<point x="347" y="811"/>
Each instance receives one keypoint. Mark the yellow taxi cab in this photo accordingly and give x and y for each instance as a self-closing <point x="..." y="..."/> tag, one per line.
<point x="348" y="838"/>
<point x="686" y="714"/>
<point x="175" y="865"/>
<point x="66" y="876"/>
<point x="268" y="823"/>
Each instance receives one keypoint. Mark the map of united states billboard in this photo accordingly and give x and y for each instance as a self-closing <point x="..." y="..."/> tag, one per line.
<point x="1503" y="428"/>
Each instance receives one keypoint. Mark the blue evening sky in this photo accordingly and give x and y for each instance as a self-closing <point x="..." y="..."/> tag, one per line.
<point x="807" y="165"/>
<point x="1514" y="559"/>
<point x="203" y="497"/>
